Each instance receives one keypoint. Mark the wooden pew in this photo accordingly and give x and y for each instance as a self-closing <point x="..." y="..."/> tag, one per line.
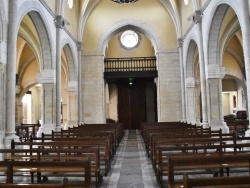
<point x="64" y="184"/>
<point x="208" y="162"/>
<point x="40" y="167"/>
<point x="204" y="150"/>
<point x="57" y="154"/>
<point x="69" y="144"/>
<point x="236" y="181"/>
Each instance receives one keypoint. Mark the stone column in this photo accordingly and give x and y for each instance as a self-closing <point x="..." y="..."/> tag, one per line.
<point x="47" y="79"/>
<point x="93" y="91"/>
<point x="59" y="22"/>
<point x="180" y="45"/>
<point x="19" y="105"/>
<point x="191" y="100"/>
<point x="11" y="74"/>
<point x="72" y="115"/>
<point x="214" y="77"/>
<point x="79" y="96"/>
<point x="197" y="20"/>
<point x="246" y="49"/>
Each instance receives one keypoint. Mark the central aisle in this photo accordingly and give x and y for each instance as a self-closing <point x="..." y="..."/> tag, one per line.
<point x="131" y="167"/>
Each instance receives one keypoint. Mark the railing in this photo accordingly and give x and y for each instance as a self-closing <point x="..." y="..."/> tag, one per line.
<point x="130" y="64"/>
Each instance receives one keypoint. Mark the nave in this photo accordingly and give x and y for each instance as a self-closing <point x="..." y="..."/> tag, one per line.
<point x="131" y="167"/>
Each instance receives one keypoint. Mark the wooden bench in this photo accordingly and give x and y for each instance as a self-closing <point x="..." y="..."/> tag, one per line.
<point x="52" y="167"/>
<point x="208" y="162"/>
<point x="64" y="184"/>
<point x="69" y="144"/>
<point x="239" y="181"/>
<point x="207" y="150"/>
<point x="57" y="154"/>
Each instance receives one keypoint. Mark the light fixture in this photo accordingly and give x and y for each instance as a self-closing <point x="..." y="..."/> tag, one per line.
<point x="124" y="1"/>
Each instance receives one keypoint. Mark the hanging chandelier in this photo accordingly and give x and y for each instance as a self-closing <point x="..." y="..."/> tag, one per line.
<point x="124" y="1"/>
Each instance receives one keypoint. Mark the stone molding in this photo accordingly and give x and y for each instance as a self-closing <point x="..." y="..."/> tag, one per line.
<point x="72" y="86"/>
<point x="215" y="71"/>
<point x="46" y="76"/>
<point x="190" y="82"/>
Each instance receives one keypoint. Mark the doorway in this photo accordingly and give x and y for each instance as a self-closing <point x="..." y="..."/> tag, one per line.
<point x="136" y="102"/>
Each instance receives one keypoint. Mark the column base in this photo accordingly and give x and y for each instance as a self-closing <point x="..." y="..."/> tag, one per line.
<point x="183" y="121"/>
<point x="70" y="124"/>
<point x="204" y="124"/>
<point x="218" y="124"/>
<point x="45" y="128"/>
<point x="7" y="139"/>
<point x="247" y="134"/>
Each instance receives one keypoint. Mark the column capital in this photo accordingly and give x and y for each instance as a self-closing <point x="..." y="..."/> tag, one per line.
<point x="180" y="42"/>
<point x="72" y="86"/>
<point x="46" y="76"/>
<point x="197" y="15"/>
<point x="190" y="82"/>
<point x="79" y="46"/>
<point x="215" y="71"/>
<point x="59" y="21"/>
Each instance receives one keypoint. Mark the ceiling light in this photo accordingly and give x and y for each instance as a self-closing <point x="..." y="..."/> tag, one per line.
<point x="124" y="1"/>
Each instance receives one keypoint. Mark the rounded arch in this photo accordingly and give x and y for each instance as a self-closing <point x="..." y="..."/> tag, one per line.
<point x="147" y="30"/>
<point x="219" y="9"/>
<point x="85" y="12"/>
<point x="230" y="30"/>
<point x="25" y="89"/>
<point x="189" y="52"/>
<point x="190" y="59"/>
<point x="36" y="14"/>
<point x="67" y="46"/>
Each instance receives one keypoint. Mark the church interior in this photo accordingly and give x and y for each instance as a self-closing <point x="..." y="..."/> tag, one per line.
<point x="127" y="76"/>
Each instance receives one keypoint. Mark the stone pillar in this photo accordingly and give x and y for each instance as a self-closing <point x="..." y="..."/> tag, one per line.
<point x="246" y="49"/>
<point x="180" y="45"/>
<point x="197" y="20"/>
<point x="79" y="96"/>
<point x="169" y="98"/>
<point x="214" y="77"/>
<point x="59" y="22"/>
<point x="47" y="79"/>
<point x="11" y="74"/>
<point x="72" y="115"/>
<point x="19" y="105"/>
<point x="191" y="101"/>
<point x="93" y="90"/>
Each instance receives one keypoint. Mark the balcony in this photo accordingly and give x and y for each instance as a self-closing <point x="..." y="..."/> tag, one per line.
<point x="130" y="67"/>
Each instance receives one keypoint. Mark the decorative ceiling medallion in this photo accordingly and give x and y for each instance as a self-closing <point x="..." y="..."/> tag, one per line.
<point x="124" y="1"/>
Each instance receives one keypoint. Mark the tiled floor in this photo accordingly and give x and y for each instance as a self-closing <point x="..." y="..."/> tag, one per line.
<point x="131" y="168"/>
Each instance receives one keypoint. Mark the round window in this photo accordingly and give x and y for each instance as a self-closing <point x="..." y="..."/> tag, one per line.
<point x="129" y="39"/>
<point x="186" y="2"/>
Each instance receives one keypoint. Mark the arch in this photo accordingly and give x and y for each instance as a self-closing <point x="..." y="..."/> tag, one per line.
<point x="40" y="22"/>
<point x="219" y="9"/>
<point x="72" y="68"/>
<point x="147" y="30"/>
<point x="190" y="59"/>
<point x="232" y="27"/>
<point x="87" y="9"/>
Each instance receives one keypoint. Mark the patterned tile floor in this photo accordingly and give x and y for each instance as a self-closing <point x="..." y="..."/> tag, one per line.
<point x="131" y="168"/>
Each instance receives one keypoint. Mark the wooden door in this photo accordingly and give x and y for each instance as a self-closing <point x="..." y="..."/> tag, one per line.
<point x="132" y="104"/>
